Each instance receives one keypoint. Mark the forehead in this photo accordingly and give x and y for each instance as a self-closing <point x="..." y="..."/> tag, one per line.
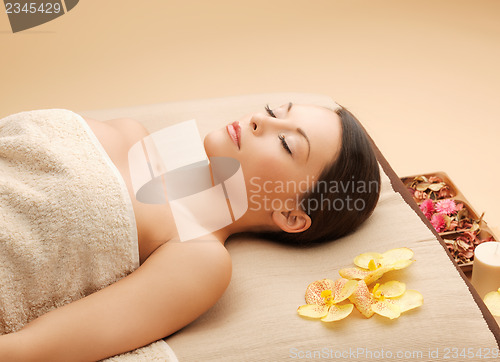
<point x="323" y="127"/>
<point x="312" y="112"/>
<point x="322" y="123"/>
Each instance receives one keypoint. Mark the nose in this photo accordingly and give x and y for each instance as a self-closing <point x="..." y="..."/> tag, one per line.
<point x="260" y="122"/>
<point x="256" y="124"/>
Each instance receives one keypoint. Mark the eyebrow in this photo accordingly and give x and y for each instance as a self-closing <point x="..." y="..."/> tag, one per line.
<point x="301" y="132"/>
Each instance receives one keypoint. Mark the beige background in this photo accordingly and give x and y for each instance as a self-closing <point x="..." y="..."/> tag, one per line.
<point x="423" y="76"/>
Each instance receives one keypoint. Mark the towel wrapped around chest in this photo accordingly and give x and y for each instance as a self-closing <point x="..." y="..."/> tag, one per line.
<point x="67" y="226"/>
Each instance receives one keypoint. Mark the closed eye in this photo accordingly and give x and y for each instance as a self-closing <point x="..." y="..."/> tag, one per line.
<point x="280" y="136"/>
<point x="285" y="145"/>
<point x="269" y="111"/>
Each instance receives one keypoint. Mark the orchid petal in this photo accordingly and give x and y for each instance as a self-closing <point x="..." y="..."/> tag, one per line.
<point x="377" y="274"/>
<point x="343" y="289"/>
<point x="393" y="255"/>
<point x="338" y="312"/>
<point x="368" y="276"/>
<point x="401" y="264"/>
<point x="386" y="308"/>
<point x="492" y="301"/>
<point x="354" y="273"/>
<point x="313" y="291"/>
<point x="362" y="260"/>
<point x="409" y="300"/>
<point x="362" y="299"/>
<point x="313" y="310"/>
<point x="392" y="289"/>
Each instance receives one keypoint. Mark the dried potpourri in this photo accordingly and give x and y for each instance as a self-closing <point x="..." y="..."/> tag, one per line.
<point x="462" y="247"/>
<point x="447" y="215"/>
<point x="433" y="188"/>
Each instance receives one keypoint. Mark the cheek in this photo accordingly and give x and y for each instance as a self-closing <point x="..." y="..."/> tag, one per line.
<point x="264" y="173"/>
<point x="266" y="165"/>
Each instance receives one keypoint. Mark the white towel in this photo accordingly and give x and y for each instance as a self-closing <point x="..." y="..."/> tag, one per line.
<point x="67" y="227"/>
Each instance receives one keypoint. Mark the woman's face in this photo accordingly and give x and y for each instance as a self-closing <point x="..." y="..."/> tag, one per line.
<point x="282" y="151"/>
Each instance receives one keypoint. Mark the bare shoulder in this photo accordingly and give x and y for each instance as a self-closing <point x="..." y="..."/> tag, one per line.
<point x="206" y="263"/>
<point x="129" y="127"/>
<point x="209" y="258"/>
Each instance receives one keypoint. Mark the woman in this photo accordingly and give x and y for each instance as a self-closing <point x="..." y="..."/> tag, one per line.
<point x="322" y="151"/>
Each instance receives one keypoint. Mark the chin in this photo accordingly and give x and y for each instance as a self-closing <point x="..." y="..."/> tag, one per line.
<point x="218" y="143"/>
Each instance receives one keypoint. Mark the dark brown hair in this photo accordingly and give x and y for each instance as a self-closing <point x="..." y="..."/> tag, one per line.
<point x="355" y="172"/>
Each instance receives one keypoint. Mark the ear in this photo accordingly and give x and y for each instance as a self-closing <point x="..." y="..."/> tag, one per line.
<point x="294" y="221"/>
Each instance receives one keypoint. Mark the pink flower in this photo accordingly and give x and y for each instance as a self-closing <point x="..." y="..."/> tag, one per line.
<point x="438" y="222"/>
<point x="427" y="208"/>
<point x="446" y="206"/>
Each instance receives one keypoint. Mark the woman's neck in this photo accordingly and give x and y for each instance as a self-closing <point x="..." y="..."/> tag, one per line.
<point x="247" y="223"/>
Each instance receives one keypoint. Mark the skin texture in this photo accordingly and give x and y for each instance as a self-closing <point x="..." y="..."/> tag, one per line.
<point x="162" y="295"/>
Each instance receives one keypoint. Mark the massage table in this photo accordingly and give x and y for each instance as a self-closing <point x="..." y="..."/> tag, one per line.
<point x="257" y="320"/>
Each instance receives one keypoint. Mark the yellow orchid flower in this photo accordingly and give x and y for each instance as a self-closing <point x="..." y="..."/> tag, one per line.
<point x="371" y="266"/>
<point x="492" y="301"/>
<point x="388" y="300"/>
<point x="362" y="299"/>
<point x="322" y="297"/>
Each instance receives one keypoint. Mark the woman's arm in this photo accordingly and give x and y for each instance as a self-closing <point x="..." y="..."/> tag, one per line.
<point x="175" y="285"/>
<point x="12" y="348"/>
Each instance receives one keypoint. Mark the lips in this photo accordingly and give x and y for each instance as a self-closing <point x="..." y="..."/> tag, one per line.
<point x="234" y="131"/>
